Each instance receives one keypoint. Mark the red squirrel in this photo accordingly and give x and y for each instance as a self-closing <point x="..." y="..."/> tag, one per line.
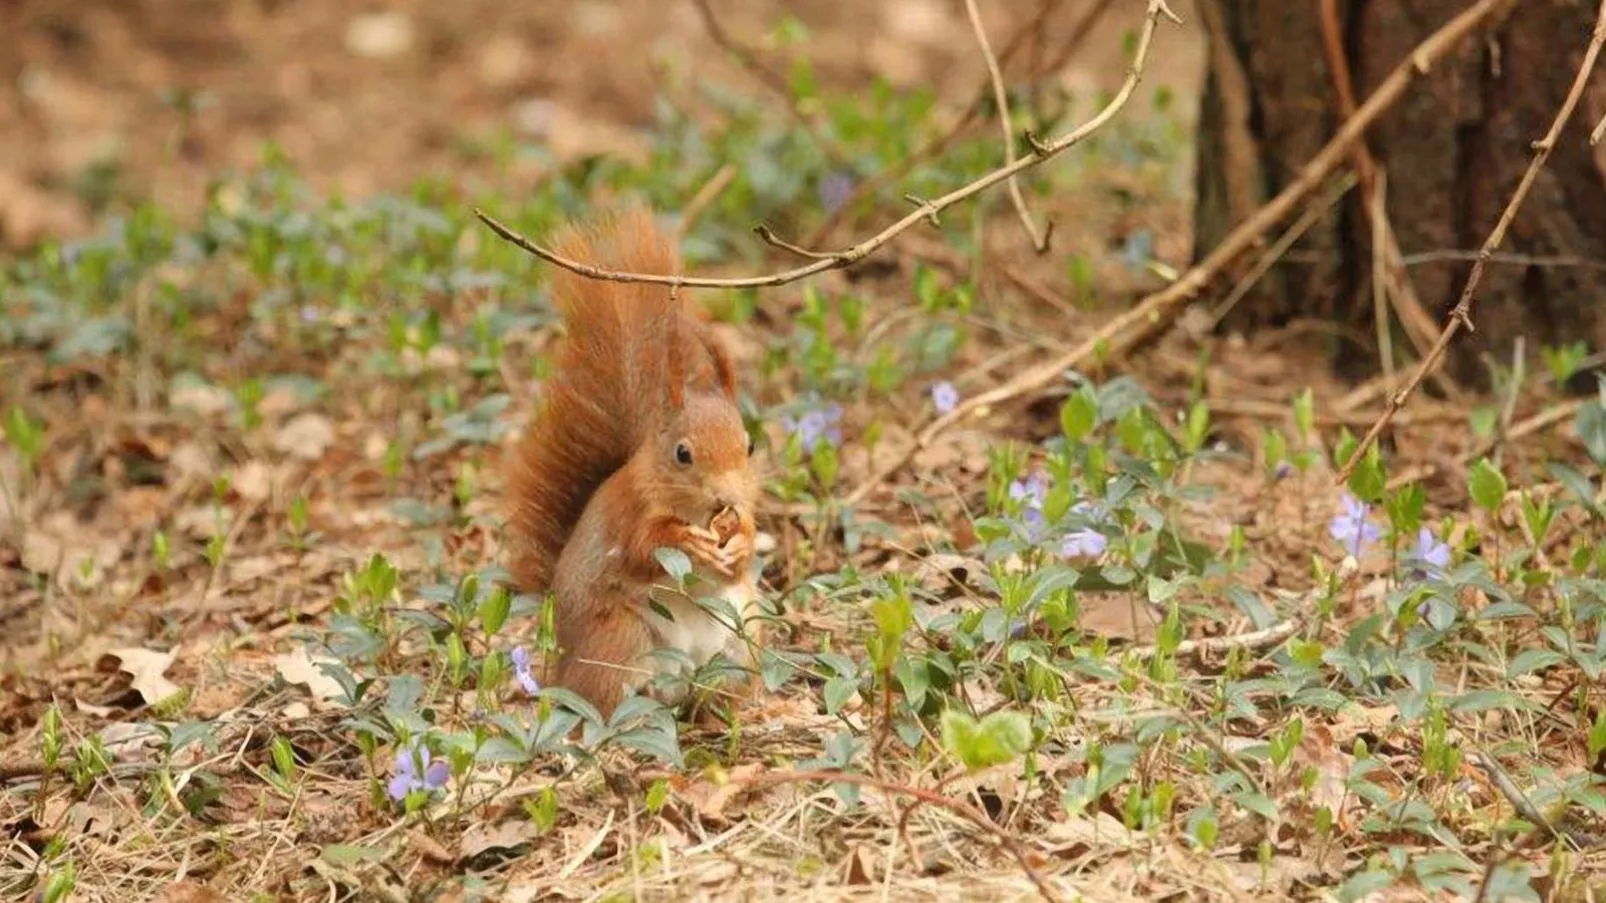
<point x="637" y="443"/>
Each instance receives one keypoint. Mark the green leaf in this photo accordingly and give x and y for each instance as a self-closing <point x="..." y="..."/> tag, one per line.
<point x="1576" y="483"/>
<point x="1198" y="425"/>
<point x="1486" y="485"/>
<point x="1484" y="700"/>
<point x="1305" y="416"/>
<point x="351" y="854"/>
<point x="1078" y="415"/>
<point x="674" y="562"/>
<point x="632" y="707"/>
<point x="1405" y="508"/>
<point x="657" y="795"/>
<point x="1530" y="660"/>
<point x="494" y="609"/>
<point x="1591" y="428"/>
<point x="838" y="690"/>
<point x="1000" y="737"/>
<point x="654" y="741"/>
<point x="1368" y="481"/>
<point x="574" y="702"/>
<point x="1363" y="884"/>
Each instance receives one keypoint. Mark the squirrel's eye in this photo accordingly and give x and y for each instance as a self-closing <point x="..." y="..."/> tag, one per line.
<point x="683" y="453"/>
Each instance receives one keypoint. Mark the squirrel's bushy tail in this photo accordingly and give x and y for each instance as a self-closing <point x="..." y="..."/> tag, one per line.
<point x="606" y="389"/>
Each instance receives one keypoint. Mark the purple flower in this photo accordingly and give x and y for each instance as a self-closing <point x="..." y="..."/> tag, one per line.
<point x="819" y="424"/>
<point x="835" y="189"/>
<point x="521" y="671"/>
<point x="410" y="760"/>
<point x="1431" y="556"/>
<point x="944" y="396"/>
<point x="1093" y="511"/>
<point x="1283" y="471"/>
<point x="1031" y="491"/>
<point x="1352" y="528"/>
<point x="1088" y="543"/>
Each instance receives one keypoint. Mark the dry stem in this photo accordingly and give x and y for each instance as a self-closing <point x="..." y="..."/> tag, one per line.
<point x="1001" y="99"/>
<point x="934" y="147"/>
<point x="1461" y="317"/>
<point x="925" y="210"/>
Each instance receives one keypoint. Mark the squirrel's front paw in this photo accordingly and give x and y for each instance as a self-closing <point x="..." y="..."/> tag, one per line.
<point x="704" y="548"/>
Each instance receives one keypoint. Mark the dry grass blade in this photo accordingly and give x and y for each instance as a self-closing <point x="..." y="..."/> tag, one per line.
<point x="964" y="810"/>
<point x="1461" y="316"/>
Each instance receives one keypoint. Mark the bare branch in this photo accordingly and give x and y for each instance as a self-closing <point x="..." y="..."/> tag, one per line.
<point x="1461" y="316"/>
<point x="969" y="113"/>
<point x="1001" y="99"/>
<point x="849" y="256"/>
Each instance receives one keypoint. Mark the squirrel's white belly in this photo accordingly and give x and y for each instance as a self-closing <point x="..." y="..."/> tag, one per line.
<point x="697" y="632"/>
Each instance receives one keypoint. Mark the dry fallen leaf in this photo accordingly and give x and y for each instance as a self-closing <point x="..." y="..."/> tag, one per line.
<point x="306" y="436"/>
<point x="429" y="848"/>
<point x="503" y="835"/>
<point x="299" y="667"/>
<point x="253" y="481"/>
<point x="188" y="892"/>
<point x="200" y="397"/>
<point x="148" y="668"/>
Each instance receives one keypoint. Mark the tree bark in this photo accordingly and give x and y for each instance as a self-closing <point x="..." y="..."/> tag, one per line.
<point x="1452" y="151"/>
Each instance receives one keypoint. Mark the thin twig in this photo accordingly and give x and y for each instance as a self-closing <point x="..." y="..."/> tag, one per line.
<point x="705" y="196"/>
<point x="1001" y="99"/>
<point x="1526" y="810"/>
<point x="850" y="256"/>
<point x="958" y="807"/>
<point x="1461" y="317"/>
<point x="1254" y="641"/>
<point x="967" y="117"/>
<point x="1278" y="249"/>
<point x="1598" y="133"/>
<point x="1376" y="205"/>
<point x="1526" y="260"/>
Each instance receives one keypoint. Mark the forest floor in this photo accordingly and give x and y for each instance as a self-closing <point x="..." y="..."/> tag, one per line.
<point x="254" y="398"/>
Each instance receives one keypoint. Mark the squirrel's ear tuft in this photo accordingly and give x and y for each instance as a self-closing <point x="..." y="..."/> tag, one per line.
<point x="724" y="367"/>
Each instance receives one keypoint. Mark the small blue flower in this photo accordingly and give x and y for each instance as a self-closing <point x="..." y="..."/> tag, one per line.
<point x="1030" y="492"/>
<point x="1093" y="511"/>
<point x="817" y="425"/>
<point x="944" y="396"/>
<point x="1083" y="543"/>
<point x="521" y="671"/>
<point x="1351" y="528"/>
<point x="835" y="189"/>
<point x="410" y="760"/>
<point x="1431" y="557"/>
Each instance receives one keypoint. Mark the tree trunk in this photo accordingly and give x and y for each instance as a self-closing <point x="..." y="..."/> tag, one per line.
<point x="1452" y="150"/>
